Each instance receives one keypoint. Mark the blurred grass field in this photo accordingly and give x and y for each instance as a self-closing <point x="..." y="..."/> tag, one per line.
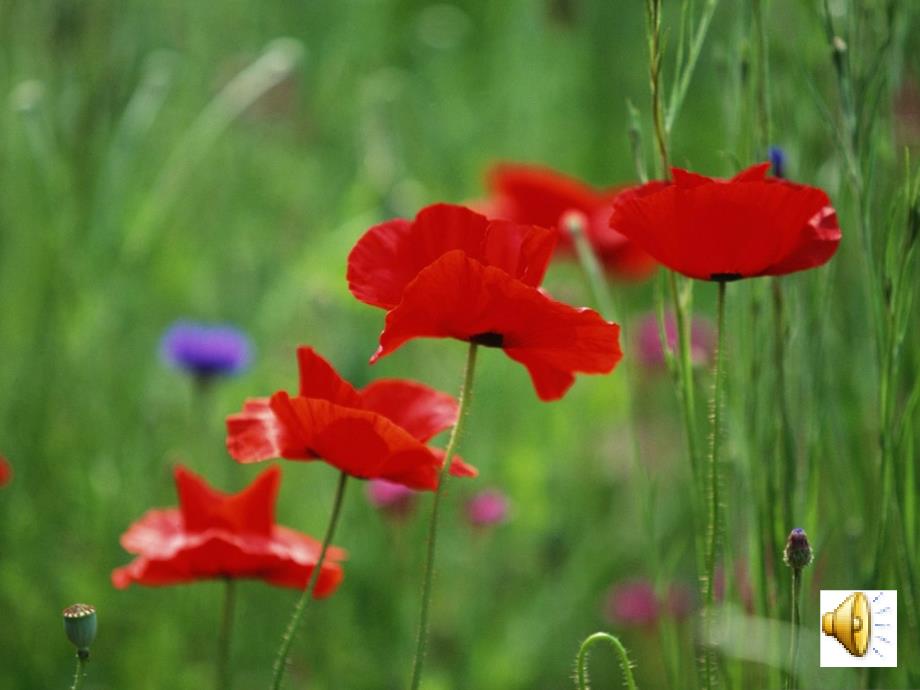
<point x="142" y="180"/>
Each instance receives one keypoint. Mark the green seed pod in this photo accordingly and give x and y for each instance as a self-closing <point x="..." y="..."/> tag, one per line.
<point x="80" y="626"/>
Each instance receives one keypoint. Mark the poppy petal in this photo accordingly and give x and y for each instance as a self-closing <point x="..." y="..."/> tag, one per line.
<point x="703" y="227"/>
<point x="361" y="443"/>
<point x="458" y="297"/>
<point x="318" y="379"/>
<point x="217" y="535"/>
<point x="249" y="511"/>
<point x="458" y="466"/>
<point x="819" y="242"/>
<point x="256" y="434"/>
<point x="390" y="255"/>
<point x="420" y="410"/>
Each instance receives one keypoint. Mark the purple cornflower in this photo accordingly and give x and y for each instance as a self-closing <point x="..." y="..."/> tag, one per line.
<point x="390" y="497"/>
<point x="205" y="351"/>
<point x="778" y="161"/>
<point x="486" y="508"/>
<point x="651" y="354"/>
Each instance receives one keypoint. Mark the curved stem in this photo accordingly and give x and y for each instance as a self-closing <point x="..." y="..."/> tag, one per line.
<point x="712" y="518"/>
<point x="796" y="622"/>
<point x="80" y="671"/>
<point x="223" y="676"/>
<point x="465" y="396"/>
<point x="288" y="638"/>
<point x="582" y="660"/>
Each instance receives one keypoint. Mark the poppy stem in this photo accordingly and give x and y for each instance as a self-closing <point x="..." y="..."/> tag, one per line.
<point x="223" y="676"/>
<point x="581" y="662"/>
<point x="796" y="622"/>
<point x="80" y="672"/>
<point x="466" y="393"/>
<point x="590" y="266"/>
<point x="288" y="638"/>
<point x="712" y="518"/>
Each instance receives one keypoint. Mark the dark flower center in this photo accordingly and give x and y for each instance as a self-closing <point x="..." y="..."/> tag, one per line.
<point x="488" y="339"/>
<point x="725" y="277"/>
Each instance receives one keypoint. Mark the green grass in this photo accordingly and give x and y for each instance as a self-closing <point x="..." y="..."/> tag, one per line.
<point x="119" y="214"/>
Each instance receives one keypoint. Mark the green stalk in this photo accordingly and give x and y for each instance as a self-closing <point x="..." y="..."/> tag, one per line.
<point x="653" y="17"/>
<point x="786" y="445"/>
<point x="297" y="615"/>
<point x="712" y="507"/>
<point x="223" y="675"/>
<point x="792" y="677"/>
<point x="466" y="394"/>
<point x="80" y="672"/>
<point x="581" y="663"/>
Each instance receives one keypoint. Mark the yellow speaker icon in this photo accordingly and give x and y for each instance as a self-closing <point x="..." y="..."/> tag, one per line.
<point x="850" y="623"/>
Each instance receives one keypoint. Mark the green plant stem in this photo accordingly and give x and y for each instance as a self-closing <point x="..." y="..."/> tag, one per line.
<point x="712" y="495"/>
<point x="582" y="660"/>
<point x="791" y="679"/>
<point x="786" y="445"/>
<point x="224" y="636"/>
<point x="288" y="638"/>
<point x="466" y="394"/>
<point x="653" y="17"/>
<point x="80" y="671"/>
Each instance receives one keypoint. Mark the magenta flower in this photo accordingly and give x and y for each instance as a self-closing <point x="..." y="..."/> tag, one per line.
<point x="486" y="508"/>
<point x="632" y="603"/>
<point x="651" y="354"/>
<point x="391" y="498"/>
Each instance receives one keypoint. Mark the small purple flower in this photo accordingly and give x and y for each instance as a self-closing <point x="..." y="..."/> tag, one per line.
<point x="632" y="603"/>
<point x="486" y="508"/>
<point x="651" y="354"/>
<point x="390" y="497"/>
<point x="778" y="161"/>
<point x="797" y="553"/>
<point x="204" y="350"/>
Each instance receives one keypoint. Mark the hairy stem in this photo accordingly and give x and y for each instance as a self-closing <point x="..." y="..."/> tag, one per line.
<point x="582" y="660"/>
<point x="288" y="638"/>
<point x="80" y="671"/>
<point x="466" y="393"/>
<point x="712" y="495"/>
<point x="791" y="679"/>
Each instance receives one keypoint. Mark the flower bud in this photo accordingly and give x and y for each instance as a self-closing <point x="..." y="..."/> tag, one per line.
<point x="798" y="552"/>
<point x="80" y="626"/>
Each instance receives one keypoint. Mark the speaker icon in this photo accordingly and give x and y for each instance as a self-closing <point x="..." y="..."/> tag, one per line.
<point x="850" y="623"/>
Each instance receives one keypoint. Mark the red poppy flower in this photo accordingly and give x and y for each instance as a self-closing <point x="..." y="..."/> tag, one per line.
<point x="6" y="472"/>
<point x="378" y="432"/>
<point x="452" y="273"/>
<point x="540" y="196"/>
<point x="216" y="535"/>
<point x="714" y="229"/>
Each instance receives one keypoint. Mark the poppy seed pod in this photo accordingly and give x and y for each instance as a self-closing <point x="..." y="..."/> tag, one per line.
<point x="798" y="552"/>
<point x="80" y="626"/>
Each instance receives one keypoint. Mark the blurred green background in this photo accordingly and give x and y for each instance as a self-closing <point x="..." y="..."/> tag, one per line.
<point x="216" y="161"/>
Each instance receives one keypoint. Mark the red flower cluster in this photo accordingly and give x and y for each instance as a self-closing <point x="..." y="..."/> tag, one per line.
<point x="540" y="196"/>
<point x="713" y="229"/>
<point x="452" y="273"/>
<point x="378" y="432"/>
<point x="214" y="535"/>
